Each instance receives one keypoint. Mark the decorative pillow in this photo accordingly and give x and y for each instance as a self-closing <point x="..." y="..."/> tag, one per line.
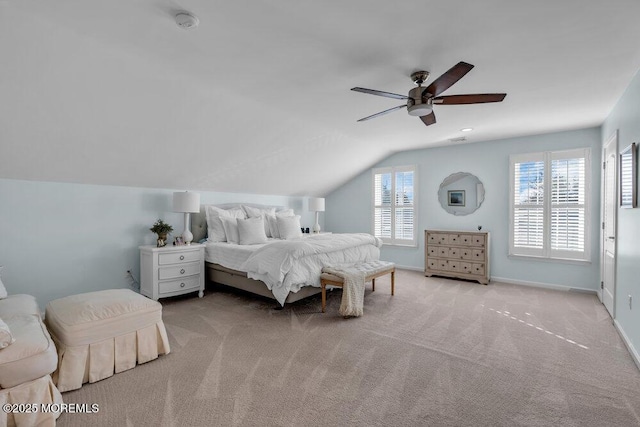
<point x="3" y="290"/>
<point x="263" y="212"/>
<point x="215" y="230"/>
<point x="251" y="231"/>
<point x="5" y="335"/>
<point x="289" y="227"/>
<point x="273" y="223"/>
<point x="230" y="226"/>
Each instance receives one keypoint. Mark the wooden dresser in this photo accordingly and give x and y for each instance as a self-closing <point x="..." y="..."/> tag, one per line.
<point x="459" y="254"/>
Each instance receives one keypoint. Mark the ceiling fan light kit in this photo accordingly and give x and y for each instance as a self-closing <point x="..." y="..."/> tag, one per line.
<point x="420" y="100"/>
<point x="417" y="105"/>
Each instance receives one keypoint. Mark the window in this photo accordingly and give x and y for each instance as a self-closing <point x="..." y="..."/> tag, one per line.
<point x="549" y="204"/>
<point x="394" y="205"/>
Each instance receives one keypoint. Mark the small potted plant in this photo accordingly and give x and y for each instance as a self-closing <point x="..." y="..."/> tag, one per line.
<point x="162" y="229"/>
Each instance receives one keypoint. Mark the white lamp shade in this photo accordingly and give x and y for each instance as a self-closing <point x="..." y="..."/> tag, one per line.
<point x="316" y="204"/>
<point x="185" y="201"/>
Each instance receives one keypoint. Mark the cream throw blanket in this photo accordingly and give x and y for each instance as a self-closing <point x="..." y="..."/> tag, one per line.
<point x="352" y="289"/>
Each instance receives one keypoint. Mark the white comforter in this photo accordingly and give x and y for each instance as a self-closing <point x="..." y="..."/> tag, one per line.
<point x="285" y="266"/>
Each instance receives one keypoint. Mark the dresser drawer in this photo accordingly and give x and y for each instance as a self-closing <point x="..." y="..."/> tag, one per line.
<point x="477" y="269"/>
<point x="177" y="257"/>
<point x="465" y="267"/>
<point x="443" y="252"/>
<point x="432" y="264"/>
<point x="465" y="239"/>
<point x="179" y="271"/>
<point x="454" y="239"/>
<point x="432" y="251"/>
<point x="454" y="253"/>
<point x="191" y="282"/>
<point x="466" y="253"/>
<point x="438" y="238"/>
<point x="477" y="240"/>
<point x="453" y="266"/>
<point x="478" y="254"/>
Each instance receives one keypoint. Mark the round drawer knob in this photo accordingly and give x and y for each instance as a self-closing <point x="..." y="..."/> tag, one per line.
<point x="182" y="271"/>
<point x="181" y="257"/>
<point x="182" y="285"/>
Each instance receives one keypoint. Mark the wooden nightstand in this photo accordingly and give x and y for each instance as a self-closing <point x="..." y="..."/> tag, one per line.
<point x="171" y="270"/>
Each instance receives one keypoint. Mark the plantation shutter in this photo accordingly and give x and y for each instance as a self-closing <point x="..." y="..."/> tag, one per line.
<point x="568" y="209"/>
<point x="528" y="209"/>
<point x="549" y="209"/>
<point x="382" y="205"/>
<point x="404" y="206"/>
<point x="394" y="205"/>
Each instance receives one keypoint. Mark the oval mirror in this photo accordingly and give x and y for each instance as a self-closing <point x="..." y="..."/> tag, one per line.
<point x="461" y="193"/>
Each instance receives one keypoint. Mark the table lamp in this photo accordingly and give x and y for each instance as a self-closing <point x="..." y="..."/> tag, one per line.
<point x="187" y="203"/>
<point x="316" y="205"/>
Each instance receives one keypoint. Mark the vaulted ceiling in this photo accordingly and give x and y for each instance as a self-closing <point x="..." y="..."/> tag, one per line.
<point x="257" y="100"/>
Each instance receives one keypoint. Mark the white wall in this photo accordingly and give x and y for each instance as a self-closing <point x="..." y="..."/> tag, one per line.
<point x="625" y="118"/>
<point x="58" y="239"/>
<point x="349" y="207"/>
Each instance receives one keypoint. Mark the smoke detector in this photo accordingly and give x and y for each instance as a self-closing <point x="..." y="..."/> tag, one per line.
<point x="186" y="20"/>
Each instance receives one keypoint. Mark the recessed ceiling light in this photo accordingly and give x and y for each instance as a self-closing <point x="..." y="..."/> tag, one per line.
<point x="186" y="20"/>
<point x="466" y="130"/>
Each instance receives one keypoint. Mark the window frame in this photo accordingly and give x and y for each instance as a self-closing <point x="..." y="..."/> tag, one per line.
<point x="393" y="170"/>
<point x="546" y="252"/>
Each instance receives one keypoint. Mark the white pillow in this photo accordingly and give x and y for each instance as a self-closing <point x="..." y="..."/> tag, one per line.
<point x="260" y="212"/>
<point x="289" y="227"/>
<point x="5" y="335"/>
<point x="3" y="290"/>
<point x="230" y="226"/>
<point x="251" y="231"/>
<point x="273" y="223"/>
<point x="215" y="230"/>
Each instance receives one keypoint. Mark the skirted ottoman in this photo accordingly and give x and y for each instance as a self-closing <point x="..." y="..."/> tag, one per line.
<point x="99" y="333"/>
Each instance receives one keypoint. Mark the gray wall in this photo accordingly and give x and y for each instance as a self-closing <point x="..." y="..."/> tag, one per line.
<point x="59" y="239"/>
<point x="349" y="207"/>
<point x="625" y="118"/>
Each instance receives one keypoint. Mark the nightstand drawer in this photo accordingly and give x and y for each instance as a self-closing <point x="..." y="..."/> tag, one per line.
<point x="174" y="258"/>
<point x="192" y="282"/>
<point x="179" y="271"/>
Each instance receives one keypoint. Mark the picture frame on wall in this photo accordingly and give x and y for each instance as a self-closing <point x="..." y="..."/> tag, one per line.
<point x="628" y="177"/>
<point x="456" y="197"/>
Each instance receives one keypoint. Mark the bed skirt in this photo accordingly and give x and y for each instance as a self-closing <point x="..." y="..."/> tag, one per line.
<point x="39" y="392"/>
<point x="238" y="279"/>
<point x="99" y="360"/>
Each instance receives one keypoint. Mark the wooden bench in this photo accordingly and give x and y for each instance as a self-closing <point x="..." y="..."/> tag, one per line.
<point x="372" y="270"/>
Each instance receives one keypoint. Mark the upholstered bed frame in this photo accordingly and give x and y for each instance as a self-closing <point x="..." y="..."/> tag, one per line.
<point x="238" y="279"/>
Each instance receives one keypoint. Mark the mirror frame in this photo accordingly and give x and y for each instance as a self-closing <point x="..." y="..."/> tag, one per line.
<point x="445" y="194"/>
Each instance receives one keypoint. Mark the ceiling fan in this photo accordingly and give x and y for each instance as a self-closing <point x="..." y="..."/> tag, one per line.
<point x="421" y="99"/>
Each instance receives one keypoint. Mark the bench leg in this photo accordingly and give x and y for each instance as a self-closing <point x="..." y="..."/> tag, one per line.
<point x="393" y="277"/>
<point x="373" y="285"/>
<point x="324" y="295"/>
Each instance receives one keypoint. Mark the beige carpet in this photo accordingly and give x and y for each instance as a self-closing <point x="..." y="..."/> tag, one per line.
<point x="440" y="352"/>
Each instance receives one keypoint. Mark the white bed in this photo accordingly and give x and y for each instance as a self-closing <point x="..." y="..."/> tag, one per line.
<point x="286" y="270"/>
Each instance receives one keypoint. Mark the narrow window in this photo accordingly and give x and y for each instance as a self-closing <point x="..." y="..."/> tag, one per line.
<point x="394" y="205"/>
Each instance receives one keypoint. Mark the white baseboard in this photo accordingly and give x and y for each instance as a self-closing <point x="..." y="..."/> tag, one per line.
<point x="406" y="267"/>
<point x="634" y="353"/>
<point x="543" y="285"/>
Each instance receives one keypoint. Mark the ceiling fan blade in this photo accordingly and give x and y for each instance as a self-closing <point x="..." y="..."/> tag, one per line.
<point x="448" y="79"/>
<point x="379" y="93"/>
<point x="381" y="113"/>
<point x="478" y="98"/>
<point x="429" y="119"/>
